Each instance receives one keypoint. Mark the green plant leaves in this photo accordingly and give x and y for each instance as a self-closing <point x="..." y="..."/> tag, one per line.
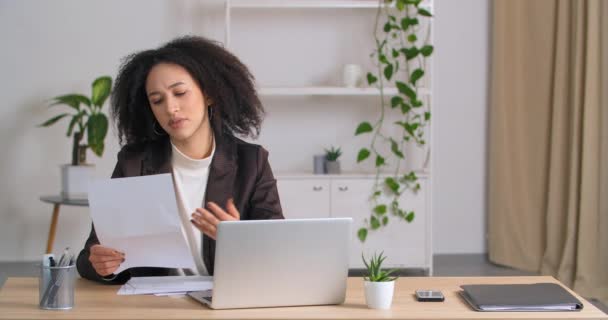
<point x="396" y="101"/>
<point x="371" y="79"/>
<point x="101" y="90"/>
<point x="410" y="216"/>
<point x="395" y="149"/>
<point x="72" y="100"/>
<point x="427" y="116"/>
<point x="362" y="234"/>
<point x="410" y="53"/>
<point x="97" y="128"/>
<point x="424" y="12"/>
<point x="412" y="38"/>
<point x="388" y="71"/>
<point x="364" y="127"/>
<point x="54" y="119"/>
<point x="374" y="223"/>
<point x="374" y="269"/>
<point x="406" y="90"/>
<point x="380" y="209"/>
<point x="384" y="220"/>
<point x="363" y="154"/>
<point x="392" y="184"/>
<point x="379" y="161"/>
<point x="416" y="75"/>
<point x="427" y="50"/>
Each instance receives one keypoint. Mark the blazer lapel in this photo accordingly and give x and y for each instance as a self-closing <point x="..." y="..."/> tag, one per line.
<point x="222" y="174"/>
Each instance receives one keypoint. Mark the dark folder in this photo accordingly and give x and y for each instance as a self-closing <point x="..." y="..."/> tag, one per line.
<point x="520" y="297"/>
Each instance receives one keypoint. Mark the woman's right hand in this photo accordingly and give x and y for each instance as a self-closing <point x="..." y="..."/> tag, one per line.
<point x="105" y="260"/>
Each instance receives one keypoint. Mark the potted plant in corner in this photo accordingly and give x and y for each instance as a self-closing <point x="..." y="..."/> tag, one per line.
<point x="87" y="118"/>
<point x="379" y="285"/>
<point x="331" y="160"/>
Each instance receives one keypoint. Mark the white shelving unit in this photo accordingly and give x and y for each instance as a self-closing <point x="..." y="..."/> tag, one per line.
<point x="329" y="91"/>
<point x="308" y="195"/>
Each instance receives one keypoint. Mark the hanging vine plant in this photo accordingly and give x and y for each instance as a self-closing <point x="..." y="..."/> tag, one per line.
<point x="400" y="62"/>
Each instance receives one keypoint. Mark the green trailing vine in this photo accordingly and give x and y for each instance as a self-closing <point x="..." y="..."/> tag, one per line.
<point x="401" y="64"/>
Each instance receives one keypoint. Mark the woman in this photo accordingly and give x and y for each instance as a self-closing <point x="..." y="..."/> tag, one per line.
<point x="177" y="110"/>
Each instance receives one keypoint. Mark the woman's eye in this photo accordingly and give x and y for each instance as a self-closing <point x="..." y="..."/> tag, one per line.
<point x="157" y="101"/>
<point x="180" y="93"/>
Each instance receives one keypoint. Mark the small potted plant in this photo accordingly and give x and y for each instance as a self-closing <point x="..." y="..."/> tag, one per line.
<point x="87" y="118"/>
<point x="379" y="284"/>
<point x="331" y="160"/>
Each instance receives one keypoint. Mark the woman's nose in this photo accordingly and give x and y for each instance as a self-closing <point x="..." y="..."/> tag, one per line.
<point x="172" y="106"/>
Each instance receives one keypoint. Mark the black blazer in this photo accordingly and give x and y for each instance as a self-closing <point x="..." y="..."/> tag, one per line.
<point x="238" y="169"/>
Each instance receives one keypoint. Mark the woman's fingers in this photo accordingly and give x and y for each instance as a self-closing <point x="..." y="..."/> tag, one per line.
<point x="98" y="258"/>
<point x="204" y="226"/>
<point x="232" y="210"/>
<point x="105" y="260"/>
<point x="219" y="212"/>
<point x="104" y="251"/>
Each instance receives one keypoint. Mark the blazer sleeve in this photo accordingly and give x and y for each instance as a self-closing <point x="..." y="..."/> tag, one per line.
<point x="265" y="203"/>
<point x="84" y="266"/>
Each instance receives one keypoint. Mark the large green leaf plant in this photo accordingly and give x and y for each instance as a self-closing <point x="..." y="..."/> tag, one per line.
<point x="86" y="116"/>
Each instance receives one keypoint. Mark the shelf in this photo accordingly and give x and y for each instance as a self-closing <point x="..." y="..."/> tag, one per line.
<point x="329" y="91"/>
<point x="304" y="3"/>
<point x="346" y="175"/>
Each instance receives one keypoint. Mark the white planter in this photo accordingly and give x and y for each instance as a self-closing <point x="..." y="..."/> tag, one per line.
<point x="75" y="181"/>
<point x="379" y="295"/>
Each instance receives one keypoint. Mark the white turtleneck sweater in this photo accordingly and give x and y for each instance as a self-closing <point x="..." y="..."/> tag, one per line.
<point x="190" y="177"/>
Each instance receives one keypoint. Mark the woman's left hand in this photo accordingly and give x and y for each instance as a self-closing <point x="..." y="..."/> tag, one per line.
<point x="206" y="220"/>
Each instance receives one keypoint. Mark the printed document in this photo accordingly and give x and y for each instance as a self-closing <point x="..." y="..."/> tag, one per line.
<point x="139" y="216"/>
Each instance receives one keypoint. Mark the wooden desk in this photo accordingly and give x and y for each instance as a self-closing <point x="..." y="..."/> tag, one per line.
<point x="18" y="300"/>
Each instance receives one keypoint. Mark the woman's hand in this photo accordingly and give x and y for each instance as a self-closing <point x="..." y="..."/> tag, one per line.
<point x="207" y="220"/>
<point x="105" y="260"/>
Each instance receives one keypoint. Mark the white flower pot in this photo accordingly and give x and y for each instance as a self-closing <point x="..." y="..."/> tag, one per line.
<point x="75" y="181"/>
<point x="379" y="295"/>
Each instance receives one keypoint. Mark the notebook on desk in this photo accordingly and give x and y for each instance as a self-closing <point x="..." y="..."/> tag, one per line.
<point x="520" y="297"/>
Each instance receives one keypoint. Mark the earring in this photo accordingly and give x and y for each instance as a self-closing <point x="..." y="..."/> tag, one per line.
<point x="156" y="132"/>
<point x="211" y="111"/>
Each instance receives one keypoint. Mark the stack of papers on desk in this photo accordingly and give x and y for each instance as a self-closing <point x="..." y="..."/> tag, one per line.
<point x="166" y="285"/>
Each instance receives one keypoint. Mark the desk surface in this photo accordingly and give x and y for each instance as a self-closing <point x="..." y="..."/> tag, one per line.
<point x="18" y="300"/>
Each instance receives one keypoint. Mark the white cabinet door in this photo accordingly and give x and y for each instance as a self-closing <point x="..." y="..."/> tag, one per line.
<point x="304" y="198"/>
<point x="403" y="243"/>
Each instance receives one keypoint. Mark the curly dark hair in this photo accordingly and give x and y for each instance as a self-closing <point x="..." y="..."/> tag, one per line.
<point x="222" y="77"/>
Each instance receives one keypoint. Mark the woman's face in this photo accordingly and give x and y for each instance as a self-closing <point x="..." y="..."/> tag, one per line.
<point x="176" y="100"/>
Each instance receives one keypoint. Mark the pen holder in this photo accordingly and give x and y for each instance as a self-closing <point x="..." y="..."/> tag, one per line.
<point x="56" y="287"/>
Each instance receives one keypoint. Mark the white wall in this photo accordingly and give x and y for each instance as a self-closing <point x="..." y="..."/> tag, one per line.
<point x="51" y="48"/>
<point x="460" y="126"/>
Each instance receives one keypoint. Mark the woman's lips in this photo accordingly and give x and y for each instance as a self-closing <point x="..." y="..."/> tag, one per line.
<point x="177" y="123"/>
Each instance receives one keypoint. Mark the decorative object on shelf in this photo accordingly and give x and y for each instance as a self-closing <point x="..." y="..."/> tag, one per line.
<point x="351" y="76"/>
<point x="379" y="284"/>
<point x="331" y="160"/>
<point x="319" y="164"/>
<point x="400" y="58"/>
<point x="88" y="119"/>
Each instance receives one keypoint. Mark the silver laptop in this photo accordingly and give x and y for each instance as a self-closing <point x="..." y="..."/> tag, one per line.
<point x="272" y="263"/>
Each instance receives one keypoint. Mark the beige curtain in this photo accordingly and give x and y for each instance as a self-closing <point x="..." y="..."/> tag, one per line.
<point x="548" y="161"/>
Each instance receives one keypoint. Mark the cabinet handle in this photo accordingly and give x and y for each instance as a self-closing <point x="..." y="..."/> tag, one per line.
<point x="317" y="188"/>
<point x="343" y="188"/>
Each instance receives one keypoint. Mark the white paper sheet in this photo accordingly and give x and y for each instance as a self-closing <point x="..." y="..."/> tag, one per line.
<point x="172" y="285"/>
<point x="139" y="216"/>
